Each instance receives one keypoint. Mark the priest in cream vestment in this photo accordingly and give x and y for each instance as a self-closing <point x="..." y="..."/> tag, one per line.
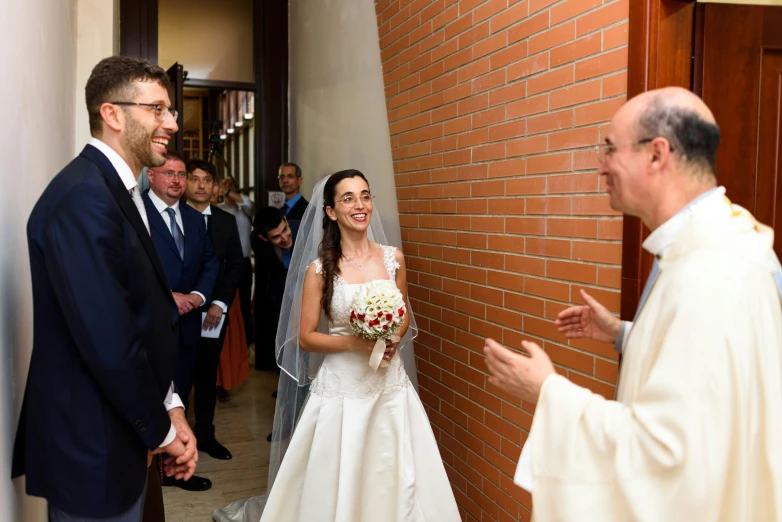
<point x="695" y="432"/>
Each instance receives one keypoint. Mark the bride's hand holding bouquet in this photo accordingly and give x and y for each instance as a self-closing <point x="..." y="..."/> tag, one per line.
<point x="376" y="314"/>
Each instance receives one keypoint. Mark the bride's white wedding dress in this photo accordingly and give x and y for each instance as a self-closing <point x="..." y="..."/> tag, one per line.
<point x="363" y="449"/>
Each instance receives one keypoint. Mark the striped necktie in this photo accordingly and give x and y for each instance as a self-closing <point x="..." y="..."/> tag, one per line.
<point x="179" y="238"/>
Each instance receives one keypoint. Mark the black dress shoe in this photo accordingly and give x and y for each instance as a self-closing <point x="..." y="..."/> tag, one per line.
<point x="214" y="449"/>
<point x="222" y="395"/>
<point x="194" y="484"/>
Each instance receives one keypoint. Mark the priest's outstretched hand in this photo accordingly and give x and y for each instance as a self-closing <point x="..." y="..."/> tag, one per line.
<point x="517" y="374"/>
<point x="592" y="321"/>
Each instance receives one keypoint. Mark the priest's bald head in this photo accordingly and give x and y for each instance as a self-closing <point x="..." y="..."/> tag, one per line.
<point x="659" y="154"/>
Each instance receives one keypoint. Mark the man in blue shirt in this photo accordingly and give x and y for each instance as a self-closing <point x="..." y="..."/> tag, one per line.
<point x="289" y="177"/>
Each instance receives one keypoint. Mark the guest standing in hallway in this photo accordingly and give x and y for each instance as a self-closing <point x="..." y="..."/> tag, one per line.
<point x="224" y="236"/>
<point x="289" y="177"/>
<point x="272" y="242"/>
<point x="242" y="208"/>
<point x="181" y="241"/>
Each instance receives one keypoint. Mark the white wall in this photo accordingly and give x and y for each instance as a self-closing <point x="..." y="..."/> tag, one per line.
<point x="212" y="40"/>
<point x="338" y="116"/>
<point x="97" y="37"/>
<point x="38" y="53"/>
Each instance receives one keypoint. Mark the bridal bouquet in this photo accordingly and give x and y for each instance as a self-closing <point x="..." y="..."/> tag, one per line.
<point x="376" y="313"/>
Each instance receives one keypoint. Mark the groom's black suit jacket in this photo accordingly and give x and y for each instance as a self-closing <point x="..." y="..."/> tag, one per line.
<point x="104" y="345"/>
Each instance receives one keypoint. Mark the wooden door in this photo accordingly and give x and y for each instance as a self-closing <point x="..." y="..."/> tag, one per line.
<point x="739" y="75"/>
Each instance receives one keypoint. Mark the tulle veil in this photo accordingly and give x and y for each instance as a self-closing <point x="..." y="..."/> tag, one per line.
<point x="298" y="367"/>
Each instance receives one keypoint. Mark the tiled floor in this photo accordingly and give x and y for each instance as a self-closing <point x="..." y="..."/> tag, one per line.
<point x="242" y="426"/>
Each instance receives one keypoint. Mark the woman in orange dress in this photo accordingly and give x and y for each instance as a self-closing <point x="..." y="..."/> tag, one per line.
<point x="234" y="365"/>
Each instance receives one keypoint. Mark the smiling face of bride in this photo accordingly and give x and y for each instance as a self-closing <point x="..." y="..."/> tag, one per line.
<point x="352" y="208"/>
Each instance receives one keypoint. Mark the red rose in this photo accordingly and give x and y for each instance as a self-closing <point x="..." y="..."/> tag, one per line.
<point x="401" y="312"/>
<point x="385" y="327"/>
<point x="361" y="317"/>
<point x="380" y="314"/>
<point x="389" y="317"/>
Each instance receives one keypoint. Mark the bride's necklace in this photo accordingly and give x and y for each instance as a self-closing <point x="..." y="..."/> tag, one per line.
<point x="361" y="263"/>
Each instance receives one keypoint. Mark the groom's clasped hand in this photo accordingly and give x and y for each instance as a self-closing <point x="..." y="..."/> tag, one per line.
<point x="182" y="454"/>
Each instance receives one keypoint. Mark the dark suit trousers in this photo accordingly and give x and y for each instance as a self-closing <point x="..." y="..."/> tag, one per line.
<point x="266" y="335"/>
<point x="205" y="399"/>
<point x="185" y="371"/>
<point x="245" y="298"/>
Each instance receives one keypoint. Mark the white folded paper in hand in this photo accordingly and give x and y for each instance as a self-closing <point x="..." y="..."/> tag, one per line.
<point x="214" y="333"/>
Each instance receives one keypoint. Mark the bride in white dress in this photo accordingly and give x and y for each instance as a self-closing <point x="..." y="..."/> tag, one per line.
<point x="362" y="449"/>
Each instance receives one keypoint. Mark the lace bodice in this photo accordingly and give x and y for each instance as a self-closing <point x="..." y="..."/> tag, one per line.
<point x="347" y="374"/>
<point x="344" y="291"/>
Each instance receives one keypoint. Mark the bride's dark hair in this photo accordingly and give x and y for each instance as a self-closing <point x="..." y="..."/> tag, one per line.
<point x="330" y="249"/>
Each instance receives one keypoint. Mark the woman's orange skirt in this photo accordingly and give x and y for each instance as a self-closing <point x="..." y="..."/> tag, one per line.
<point x="234" y="365"/>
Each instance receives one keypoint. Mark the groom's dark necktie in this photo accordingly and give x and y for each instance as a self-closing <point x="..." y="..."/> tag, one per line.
<point x="179" y="238"/>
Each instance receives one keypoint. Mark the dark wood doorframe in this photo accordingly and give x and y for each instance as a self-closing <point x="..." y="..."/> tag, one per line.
<point x="139" y="37"/>
<point x="138" y="22"/>
<point x="660" y="54"/>
<point x="271" y="100"/>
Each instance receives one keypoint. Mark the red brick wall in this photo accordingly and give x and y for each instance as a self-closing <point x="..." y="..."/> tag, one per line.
<point x="494" y="107"/>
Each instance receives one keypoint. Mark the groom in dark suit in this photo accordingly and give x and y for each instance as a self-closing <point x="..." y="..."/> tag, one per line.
<point x="105" y="323"/>
<point x="184" y="248"/>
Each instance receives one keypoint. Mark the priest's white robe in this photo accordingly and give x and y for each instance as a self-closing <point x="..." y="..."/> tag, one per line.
<point x="696" y="431"/>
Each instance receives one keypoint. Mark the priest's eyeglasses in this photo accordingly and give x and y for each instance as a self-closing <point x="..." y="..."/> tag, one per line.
<point x="606" y="150"/>
<point x="351" y="201"/>
<point x="161" y="111"/>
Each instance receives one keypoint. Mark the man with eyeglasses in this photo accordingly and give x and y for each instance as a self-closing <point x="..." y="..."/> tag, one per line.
<point x="289" y="177"/>
<point x="185" y="250"/>
<point x="695" y="428"/>
<point x="99" y="399"/>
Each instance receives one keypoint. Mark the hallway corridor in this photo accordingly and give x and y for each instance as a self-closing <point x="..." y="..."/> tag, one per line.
<point x="242" y="426"/>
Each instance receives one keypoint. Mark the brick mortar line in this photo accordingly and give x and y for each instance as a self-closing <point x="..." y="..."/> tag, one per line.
<point x="537" y="337"/>
<point x="598" y="264"/>
<point x="524" y="314"/>
<point x="548" y="111"/>
<point x="484" y="477"/>
<point x="506" y="28"/>
<point x="505" y="67"/>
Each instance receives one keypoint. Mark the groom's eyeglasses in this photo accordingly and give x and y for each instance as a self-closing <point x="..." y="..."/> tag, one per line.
<point x="161" y="111"/>
<point x="351" y="201"/>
